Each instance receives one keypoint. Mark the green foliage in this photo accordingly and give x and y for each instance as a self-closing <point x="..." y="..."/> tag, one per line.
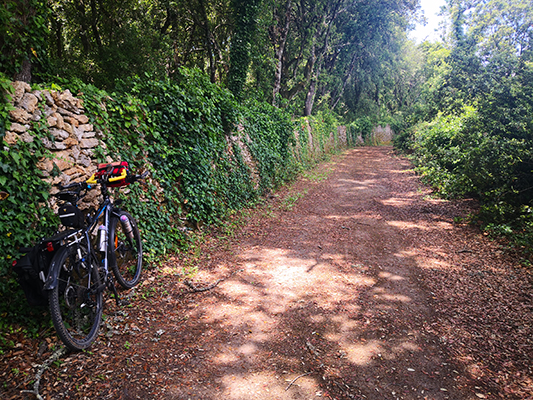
<point x="23" y="219"/>
<point x="244" y="14"/>
<point x="6" y="92"/>
<point x="476" y="102"/>
<point x="271" y="138"/>
<point x="443" y="149"/>
<point x="23" y="34"/>
<point x="317" y="138"/>
<point x="187" y="133"/>
<point x="455" y="156"/>
<point x="359" y="128"/>
<point x="180" y="130"/>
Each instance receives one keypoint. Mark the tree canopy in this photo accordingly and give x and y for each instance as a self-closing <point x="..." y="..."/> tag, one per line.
<point x="469" y="95"/>
<point x="303" y="54"/>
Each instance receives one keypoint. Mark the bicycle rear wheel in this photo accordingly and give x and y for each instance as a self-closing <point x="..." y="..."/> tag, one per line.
<point x="125" y="250"/>
<point x="76" y="302"/>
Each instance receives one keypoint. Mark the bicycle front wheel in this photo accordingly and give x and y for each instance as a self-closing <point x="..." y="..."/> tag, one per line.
<point x="76" y="302"/>
<point x="125" y="250"/>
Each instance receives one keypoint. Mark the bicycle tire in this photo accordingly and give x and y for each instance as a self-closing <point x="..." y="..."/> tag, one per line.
<point x="125" y="251"/>
<point x="76" y="302"/>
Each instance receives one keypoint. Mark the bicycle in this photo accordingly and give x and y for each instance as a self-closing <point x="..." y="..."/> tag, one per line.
<point x="80" y="269"/>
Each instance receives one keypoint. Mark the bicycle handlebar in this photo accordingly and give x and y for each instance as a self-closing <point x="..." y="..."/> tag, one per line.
<point x="77" y="187"/>
<point x="124" y="175"/>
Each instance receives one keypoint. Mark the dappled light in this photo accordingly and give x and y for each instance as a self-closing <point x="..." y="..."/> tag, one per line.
<point x="355" y="292"/>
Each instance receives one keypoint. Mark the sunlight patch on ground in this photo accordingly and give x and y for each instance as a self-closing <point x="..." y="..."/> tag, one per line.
<point x="396" y="202"/>
<point x="405" y="254"/>
<point x="266" y="385"/>
<point x="391" y="277"/>
<point x="407" y="225"/>
<point x="362" y="353"/>
<point x="436" y="264"/>
<point x="344" y="324"/>
<point x="226" y="358"/>
<point x="383" y="294"/>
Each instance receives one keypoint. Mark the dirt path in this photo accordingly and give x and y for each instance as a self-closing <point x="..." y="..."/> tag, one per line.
<point x="330" y="290"/>
<point x="337" y="289"/>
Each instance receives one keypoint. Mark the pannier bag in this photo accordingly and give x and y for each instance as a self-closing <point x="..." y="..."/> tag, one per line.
<point x="32" y="268"/>
<point x="31" y="271"/>
<point x="113" y="174"/>
<point x="70" y="215"/>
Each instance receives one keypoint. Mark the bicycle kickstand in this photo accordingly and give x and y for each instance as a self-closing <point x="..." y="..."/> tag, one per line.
<point x="113" y="288"/>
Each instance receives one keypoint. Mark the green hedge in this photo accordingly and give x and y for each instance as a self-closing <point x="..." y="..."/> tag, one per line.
<point x="185" y="133"/>
<point x="460" y="157"/>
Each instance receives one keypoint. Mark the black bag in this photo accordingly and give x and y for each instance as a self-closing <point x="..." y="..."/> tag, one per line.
<point x="32" y="270"/>
<point x="70" y="215"/>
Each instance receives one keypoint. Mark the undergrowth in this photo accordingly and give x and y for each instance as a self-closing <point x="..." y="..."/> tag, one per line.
<point x="186" y="133"/>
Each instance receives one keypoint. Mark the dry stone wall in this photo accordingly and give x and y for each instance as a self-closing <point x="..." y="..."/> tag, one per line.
<point x="382" y="135"/>
<point x="72" y="151"/>
<point x="72" y="155"/>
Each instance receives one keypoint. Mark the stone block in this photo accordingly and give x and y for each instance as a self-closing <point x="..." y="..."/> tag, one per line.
<point x="45" y="165"/>
<point x="71" y="141"/>
<point x="49" y="110"/>
<point x="89" y="143"/>
<point x="86" y="127"/>
<point x="47" y="143"/>
<point x="62" y="164"/>
<point x="75" y="152"/>
<point x="11" y="138"/>
<point x="60" y="122"/>
<point x="74" y="171"/>
<point x="72" y="121"/>
<point x="27" y="137"/>
<point x="64" y="112"/>
<point x="18" y="128"/>
<point x="29" y="102"/>
<point x="67" y="127"/>
<point x="20" y="115"/>
<point x="82" y="118"/>
<point x="87" y="135"/>
<point x="51" y="120"/>
<point x="48" y="98"/>
<point x="78" y="133"/>
<point x="20" y="88"/>
<point x="70" y="102"/>
<point x="84" y="160"/>
<point x="59" y="146"/>
<point x="59" y="134"/>
<point x="36" y="115"/>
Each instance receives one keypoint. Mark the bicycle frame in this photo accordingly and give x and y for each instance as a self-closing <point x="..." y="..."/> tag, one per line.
<point x="106" y="209"/>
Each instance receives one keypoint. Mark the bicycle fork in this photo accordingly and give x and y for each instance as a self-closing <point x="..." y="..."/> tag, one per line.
<point x="104" y="241"/>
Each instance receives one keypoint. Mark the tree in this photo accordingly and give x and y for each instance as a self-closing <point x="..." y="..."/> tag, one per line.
<point x="245" y="13"/>
<point x="23" y="35"/>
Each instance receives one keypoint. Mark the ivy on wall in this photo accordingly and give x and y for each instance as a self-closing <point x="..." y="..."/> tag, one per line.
<point x="185" y="133"/>
<point x="23" y="219"/>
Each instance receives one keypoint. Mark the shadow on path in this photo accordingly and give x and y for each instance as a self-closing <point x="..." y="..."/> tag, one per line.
<point x="328" y="303"/>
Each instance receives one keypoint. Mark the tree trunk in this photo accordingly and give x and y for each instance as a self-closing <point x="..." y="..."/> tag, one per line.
<point x="25" y="72"/>
<point x="84" y="28"/>
<point x="280" y="52"/>
<point x="205" y="24"/>
<point x="94" y="25"/>
<point x="310" y="98"/>
<point x="319" y="56"/>
<point x="345" y="81"/>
